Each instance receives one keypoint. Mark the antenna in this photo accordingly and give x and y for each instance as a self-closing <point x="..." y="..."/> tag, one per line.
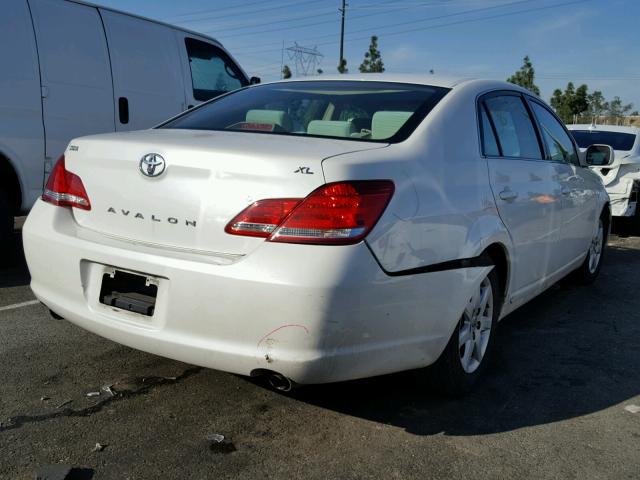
<point x="305" y="59"/>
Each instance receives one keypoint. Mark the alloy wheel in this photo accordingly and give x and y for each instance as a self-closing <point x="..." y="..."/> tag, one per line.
<point x="595" y="250"/>
<point x="474" y="328"/>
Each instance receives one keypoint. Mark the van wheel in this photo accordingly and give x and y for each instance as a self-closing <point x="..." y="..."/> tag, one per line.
<point x="466" y="355"/>
<point x="590" y="268"/>
<point x="6" y="221"/>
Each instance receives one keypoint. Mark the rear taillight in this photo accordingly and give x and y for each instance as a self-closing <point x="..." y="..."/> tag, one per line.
<point x="336" y="213"/>
<point x="65" y="189"/>
<point x="261" y="218"/>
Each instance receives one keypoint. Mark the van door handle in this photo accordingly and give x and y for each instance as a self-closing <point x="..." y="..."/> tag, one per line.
<point x="508" y="195"/>
<point x="123" y="110"/>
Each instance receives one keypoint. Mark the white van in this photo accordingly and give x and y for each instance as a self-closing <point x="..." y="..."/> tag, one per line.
<point x="69" y="68"/>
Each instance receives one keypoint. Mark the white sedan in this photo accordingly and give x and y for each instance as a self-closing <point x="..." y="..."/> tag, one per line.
<point x="622" y="177"/>
<point x="322" y="230"/>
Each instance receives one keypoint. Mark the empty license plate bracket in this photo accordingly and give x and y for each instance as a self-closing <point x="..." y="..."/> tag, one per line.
<point x="129" y="291"/>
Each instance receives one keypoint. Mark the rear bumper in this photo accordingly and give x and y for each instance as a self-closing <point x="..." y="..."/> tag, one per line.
<point x="314" y="314"/>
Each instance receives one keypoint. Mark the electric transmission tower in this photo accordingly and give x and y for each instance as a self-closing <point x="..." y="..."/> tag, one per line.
<point x="306" y="60"/>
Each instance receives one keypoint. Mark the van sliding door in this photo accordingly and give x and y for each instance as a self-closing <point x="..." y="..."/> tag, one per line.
<point x="77" y="94"/>
<point x="147" y="72"/>
<point x="22" y="136"/>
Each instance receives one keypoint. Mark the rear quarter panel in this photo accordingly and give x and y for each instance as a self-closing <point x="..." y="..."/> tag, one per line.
<point x="443" y="207"/>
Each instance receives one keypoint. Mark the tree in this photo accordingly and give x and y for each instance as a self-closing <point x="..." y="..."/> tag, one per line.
<point x="597" y="104"/>
<point x="580" y="105"/>
<point x="372" y="62"/>
<point x="525" y="77"/>
<point x="570" y="103"/>
<point x="342" y="66"/>
<point x="580" y="102"/>
<point x="617" y="109"/>
<point x="286" y="72"/>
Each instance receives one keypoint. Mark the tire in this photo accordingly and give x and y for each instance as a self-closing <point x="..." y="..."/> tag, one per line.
<point x="587" y="273"/>
<point x="6" y="222"/>
<point x="470" y="348"/>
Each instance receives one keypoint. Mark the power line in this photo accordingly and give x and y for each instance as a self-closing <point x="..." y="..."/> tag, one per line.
<point x="251" y="12"/>
<point x="286" y="20"/>
<point x="491" y="17"/>
<point x="460" y="22"/>
<point x="211" y="10"/>
<point x="242" y="26"/>
<point x="440" y="17"/>
<point x="325" y="22"/>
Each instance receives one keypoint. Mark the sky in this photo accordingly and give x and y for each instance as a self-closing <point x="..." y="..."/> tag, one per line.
<point x="584" y="41"/>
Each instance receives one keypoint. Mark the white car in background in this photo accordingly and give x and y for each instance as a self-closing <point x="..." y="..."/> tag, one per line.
<point x="321" y="230"/>
<point x="622" y="177"/>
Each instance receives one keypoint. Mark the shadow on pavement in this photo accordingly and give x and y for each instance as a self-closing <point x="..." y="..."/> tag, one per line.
<point x="570" y="352"/>
<point x="13" y="267"/>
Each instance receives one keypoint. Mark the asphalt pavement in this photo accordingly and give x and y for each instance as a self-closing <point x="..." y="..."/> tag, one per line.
<point x="561" y="401"/>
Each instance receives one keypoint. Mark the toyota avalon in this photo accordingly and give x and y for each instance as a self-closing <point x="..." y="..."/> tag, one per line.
<point x="322" y="230"/>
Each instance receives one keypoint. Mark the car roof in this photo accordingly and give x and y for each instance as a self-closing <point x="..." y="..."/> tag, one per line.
<point x="186" y="30"/>
<point x="411" y="78"/>
<point x="605" y="128"/>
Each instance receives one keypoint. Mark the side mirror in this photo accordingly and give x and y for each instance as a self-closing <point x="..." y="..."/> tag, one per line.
<point x="599" y="156"/>
<point x="254" y="80"/>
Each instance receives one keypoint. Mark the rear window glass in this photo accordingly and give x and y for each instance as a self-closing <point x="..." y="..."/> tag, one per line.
<point x="363" y="111"/>
<point x="617" y="140"/>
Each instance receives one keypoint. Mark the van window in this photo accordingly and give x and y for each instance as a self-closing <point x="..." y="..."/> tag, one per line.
<point x="559" y="144"/>
<point x="514" y="128"/>
<point x="212" y="72"/>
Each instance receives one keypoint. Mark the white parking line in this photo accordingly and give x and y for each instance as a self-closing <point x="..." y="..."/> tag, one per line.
<point x="19" y="305"/>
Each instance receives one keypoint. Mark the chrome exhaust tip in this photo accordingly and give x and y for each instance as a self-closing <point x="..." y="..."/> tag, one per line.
<point x="280" y="382"/>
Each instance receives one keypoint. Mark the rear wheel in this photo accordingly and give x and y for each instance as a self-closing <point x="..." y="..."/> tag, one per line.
<point x="466" y="355"/>
<point x="6" y="221"/>
<point x="590" y="268"/>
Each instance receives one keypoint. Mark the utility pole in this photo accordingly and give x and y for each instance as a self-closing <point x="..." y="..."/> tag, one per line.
<point x="282" y="61"/>
<point x="342" y="11"/>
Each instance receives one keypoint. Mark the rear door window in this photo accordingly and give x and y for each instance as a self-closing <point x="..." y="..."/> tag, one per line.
<point x="212" y="71"/>
<point x="489" y="142"/>
<point x="558" y="142"/>
<point x="516" y="135"/>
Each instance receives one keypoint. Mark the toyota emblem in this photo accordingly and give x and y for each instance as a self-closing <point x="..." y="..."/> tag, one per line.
<point x="152" y="165"/>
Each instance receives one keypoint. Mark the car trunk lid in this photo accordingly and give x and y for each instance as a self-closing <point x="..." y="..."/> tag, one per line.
<point x="208" y="178"/>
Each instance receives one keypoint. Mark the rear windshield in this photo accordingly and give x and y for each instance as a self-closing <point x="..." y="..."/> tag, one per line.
<point x="617" y="140"/>
<point x="363" y="111"/>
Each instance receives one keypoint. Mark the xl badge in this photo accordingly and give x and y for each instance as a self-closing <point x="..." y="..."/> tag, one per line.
<point x="152" y="165"/>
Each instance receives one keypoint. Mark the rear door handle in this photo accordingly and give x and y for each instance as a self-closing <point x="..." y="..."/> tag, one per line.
<point x="508" y="195"/>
